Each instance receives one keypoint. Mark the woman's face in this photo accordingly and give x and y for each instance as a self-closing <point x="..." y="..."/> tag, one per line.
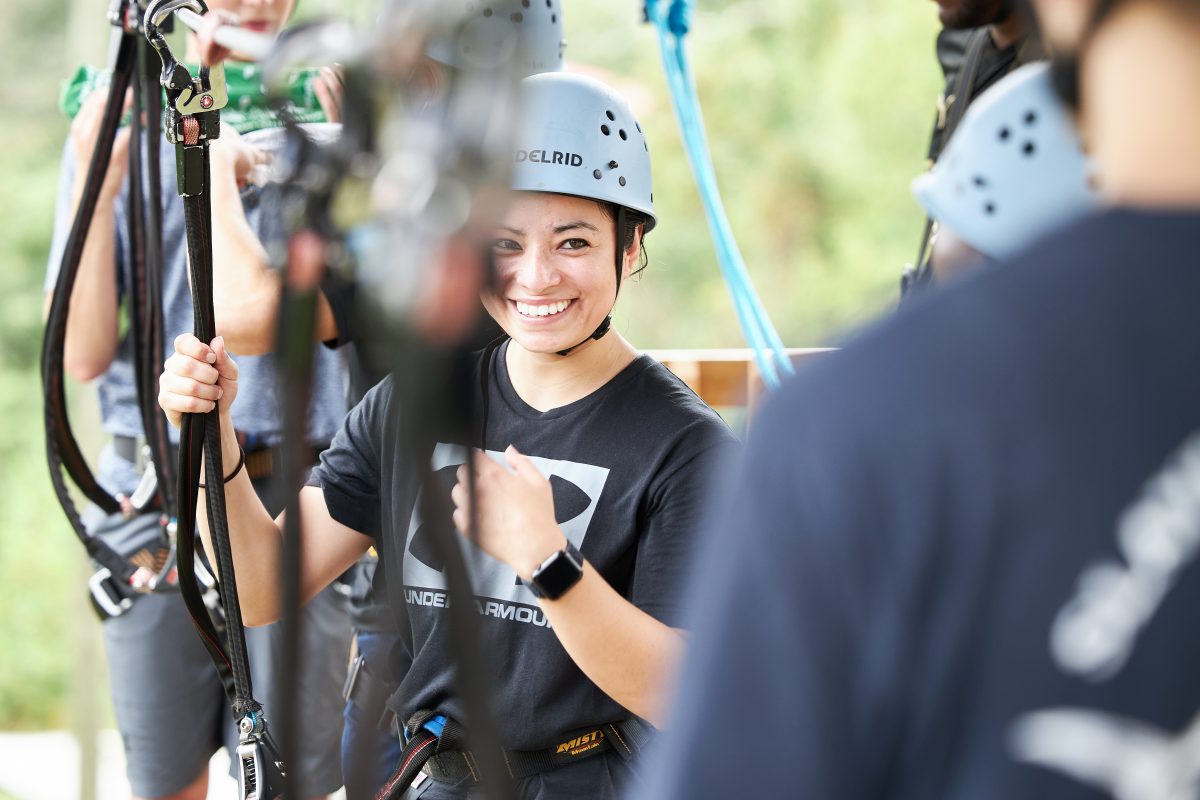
<point x="555" y="270"/>
<point x="261" y="16"/>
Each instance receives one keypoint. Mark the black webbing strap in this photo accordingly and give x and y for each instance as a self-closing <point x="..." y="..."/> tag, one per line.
<point x="432" y="390"/>
<point x="191" y="121"/>
<point x="62" y="450"/>
<point x="944" y="128"/>
<point x="420" y="747"/>
<point x="146" y="299"/>
<point x="294" y="348"/>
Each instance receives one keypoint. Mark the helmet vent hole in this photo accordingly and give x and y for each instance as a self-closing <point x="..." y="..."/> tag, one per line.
<point x="554" y="18"/>
<point x="549" y="4"/>
<point x="517" y="16"/>
<point x="487" y="12"/>
<point x="622" y="134"/>
<point x="1030" y="117"/>
<point x="597" y="174"/>
<point x="611" y="116"/>
<point x="1004" y="133"/>
<point x="621" y="180"/>
<point x="989" y="208"/>
<point x="604" y="129"/>
<point x="979" y="181"/>
<point x="1029" y="148"/>
<point x="612" y="165"/>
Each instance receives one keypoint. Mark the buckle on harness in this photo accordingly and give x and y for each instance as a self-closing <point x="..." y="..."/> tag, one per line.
<point x="144" y="492"/>
<point x="435" y="725"/>
<point x="260" y="772"/>
<point x="210" y="596"/>
<point x="250" y="759"/>
<point x="107" y="597"/>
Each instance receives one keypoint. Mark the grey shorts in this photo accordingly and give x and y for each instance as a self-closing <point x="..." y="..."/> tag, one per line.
<point x="168" y="701"/>
<point x="325" y="634"/>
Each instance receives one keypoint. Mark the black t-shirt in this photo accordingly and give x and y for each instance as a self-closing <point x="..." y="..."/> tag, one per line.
<point x="629" y="466"/>
<point x="969" y="572"/>
<point x="994" y="63"/>
<point x="369" y="360"/>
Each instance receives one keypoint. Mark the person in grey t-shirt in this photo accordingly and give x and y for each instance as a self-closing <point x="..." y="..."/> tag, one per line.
<point x="158" y="668"/>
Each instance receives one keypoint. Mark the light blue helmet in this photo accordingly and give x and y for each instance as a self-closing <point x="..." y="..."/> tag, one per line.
<point x="577" y="136"/>
<point x="527" y="32"/>
<point x="1014" y="169"/>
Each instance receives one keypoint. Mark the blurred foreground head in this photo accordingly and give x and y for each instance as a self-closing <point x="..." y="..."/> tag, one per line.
<point x="1132" y="69"/>
<point x="1013" y="171"/>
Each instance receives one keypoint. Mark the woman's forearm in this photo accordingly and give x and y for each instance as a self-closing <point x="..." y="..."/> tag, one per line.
<point x="630" y="655"/>
<point x="91" y="340"/>
<point x="254" y="537"/>
<point x="245" y="290"/>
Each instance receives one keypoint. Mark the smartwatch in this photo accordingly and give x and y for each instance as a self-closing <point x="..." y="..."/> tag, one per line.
<point x="557" y="574"/>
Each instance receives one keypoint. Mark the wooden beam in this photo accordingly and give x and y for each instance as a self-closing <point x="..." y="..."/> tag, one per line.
<point x="725" y="378"/>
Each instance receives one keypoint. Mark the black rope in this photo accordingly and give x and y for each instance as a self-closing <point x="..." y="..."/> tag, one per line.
<point x="297" y="323"/>
<point x="190" y="128"/>
<point x="154" y="421"/>
<point x="62" y="450"/>
<point x="423" y="410"/>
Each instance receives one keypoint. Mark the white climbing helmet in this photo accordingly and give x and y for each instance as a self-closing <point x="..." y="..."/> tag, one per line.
<point x="1014" y="169"/>
<point x="528" y="31"/>
<point x="575" y="135"/>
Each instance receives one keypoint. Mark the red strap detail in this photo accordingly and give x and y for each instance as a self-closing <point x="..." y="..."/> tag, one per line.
<point x="390" y="786"/>
<point x="191" y="131"/>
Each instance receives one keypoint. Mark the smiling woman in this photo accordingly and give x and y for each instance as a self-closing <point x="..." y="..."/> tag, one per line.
<point x="580" y="547"/>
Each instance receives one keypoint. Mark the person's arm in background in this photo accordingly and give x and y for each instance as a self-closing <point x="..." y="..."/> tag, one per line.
<point x="91" y="340"/>
<point x="245" y="288"/>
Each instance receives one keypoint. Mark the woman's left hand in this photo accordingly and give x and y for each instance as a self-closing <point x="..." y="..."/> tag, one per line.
<point x="514" y="511"/>
<point x="328" y="86"/>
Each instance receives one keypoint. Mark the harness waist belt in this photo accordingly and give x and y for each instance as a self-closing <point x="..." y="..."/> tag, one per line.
<point x="626" y="738"/>
<point x="260" y="460"/>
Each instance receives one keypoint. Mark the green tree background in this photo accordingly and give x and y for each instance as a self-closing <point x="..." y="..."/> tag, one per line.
<point x="817" y="112"/>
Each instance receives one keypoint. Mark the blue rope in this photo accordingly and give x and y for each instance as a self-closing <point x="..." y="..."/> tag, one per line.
<point x="672" y="24"/>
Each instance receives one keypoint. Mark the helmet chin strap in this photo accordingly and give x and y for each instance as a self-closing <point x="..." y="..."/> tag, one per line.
<point x="606" y="324"/>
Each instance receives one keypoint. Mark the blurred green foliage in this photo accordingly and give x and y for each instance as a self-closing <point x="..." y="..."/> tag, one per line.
<point x="817" y="112"/>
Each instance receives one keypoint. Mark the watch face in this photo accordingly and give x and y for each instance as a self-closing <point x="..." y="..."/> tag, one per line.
<point x="558" y="574"/>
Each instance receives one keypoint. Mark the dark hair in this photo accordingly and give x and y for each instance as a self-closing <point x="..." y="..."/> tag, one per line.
<point x="633" y="220"/>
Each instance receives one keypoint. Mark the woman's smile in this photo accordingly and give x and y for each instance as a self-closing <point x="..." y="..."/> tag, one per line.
<point x="537" y="311"/>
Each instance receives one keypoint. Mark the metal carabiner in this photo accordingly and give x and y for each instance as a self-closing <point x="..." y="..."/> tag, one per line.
<point x="187" y="95"/>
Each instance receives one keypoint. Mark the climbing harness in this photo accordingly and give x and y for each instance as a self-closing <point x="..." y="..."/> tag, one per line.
<point x="950" y="113"/>
<point x="191" y="120"/>
<point x="672" y="21"/>
<point x="437" y="746"/>
<point x="118" y="579"/>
